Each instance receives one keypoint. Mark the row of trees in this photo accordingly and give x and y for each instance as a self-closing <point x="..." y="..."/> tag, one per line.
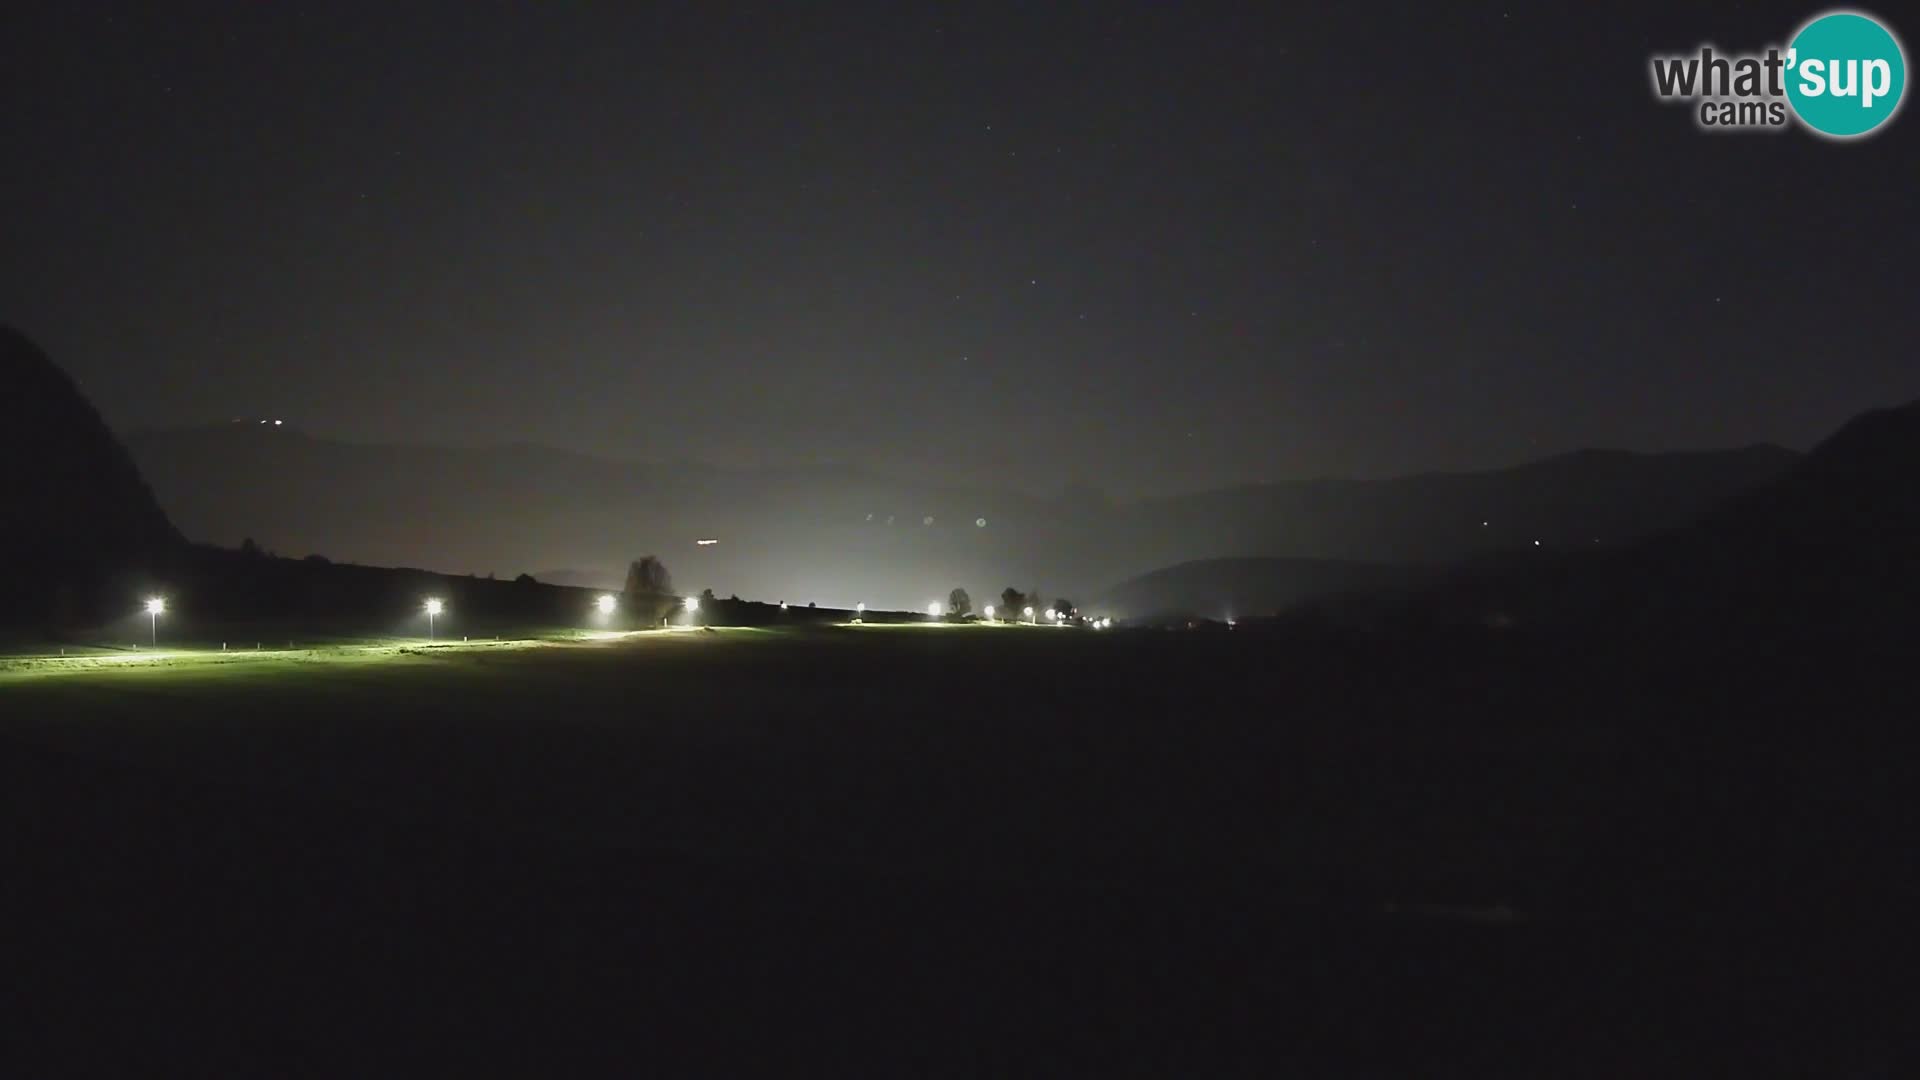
<point x="1012" y="603"/>
<point x="650" y="587"/>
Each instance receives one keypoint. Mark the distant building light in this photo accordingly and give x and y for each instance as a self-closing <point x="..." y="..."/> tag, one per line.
<point x="707" y="541"/>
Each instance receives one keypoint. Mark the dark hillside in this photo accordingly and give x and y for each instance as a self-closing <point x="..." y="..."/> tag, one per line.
<point x="78" y="517"/>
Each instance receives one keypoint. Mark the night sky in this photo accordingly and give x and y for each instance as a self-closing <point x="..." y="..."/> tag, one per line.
<point x="1148" y="247"/>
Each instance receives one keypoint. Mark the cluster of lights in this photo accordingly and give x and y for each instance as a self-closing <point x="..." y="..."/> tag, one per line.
<point x="608" y="603"/>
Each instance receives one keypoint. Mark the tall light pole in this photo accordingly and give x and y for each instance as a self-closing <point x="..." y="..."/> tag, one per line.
<point x="155" y="608"/>
<point x="434" y="608"/>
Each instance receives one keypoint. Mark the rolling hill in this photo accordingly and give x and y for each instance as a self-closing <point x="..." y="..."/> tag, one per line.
<point x="836" y="535"/>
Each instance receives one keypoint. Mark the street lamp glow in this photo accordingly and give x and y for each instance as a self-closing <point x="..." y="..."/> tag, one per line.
<point x="156" y="606"/>
<point x="1052" y="614"/>
<point x="989" y="612"/>
<point x="1028" y="612"/>
<point x="606" y="604"/>
<point x="434" y="608"/>
<point x="860" y="611"/>
<point x="933" y="610"/>
<point x="692" y="603"/>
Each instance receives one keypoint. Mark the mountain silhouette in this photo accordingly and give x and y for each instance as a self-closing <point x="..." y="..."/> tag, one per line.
<point x="1240" y="588"/>
<point x="1826" y="552"/>
<point x="79" y="515"/>
<point x="838" y="535"/>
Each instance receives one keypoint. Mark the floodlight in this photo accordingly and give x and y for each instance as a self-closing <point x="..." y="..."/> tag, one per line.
<point x="434" y="608"/>
<point x="933" y="610"/>
<point x="1052" y="614"/>
<point x="155" y="606"/>
<point x="989" y="612"/>
<point x="606" y="604"/>
<point x="692" y="603"/>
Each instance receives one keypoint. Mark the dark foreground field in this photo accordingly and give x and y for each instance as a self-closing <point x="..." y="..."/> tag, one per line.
<point x="925" y="851"/>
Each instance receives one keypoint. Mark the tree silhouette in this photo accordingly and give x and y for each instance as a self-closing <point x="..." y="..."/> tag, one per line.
<point x="649" y="591"/>
<point x="959" y="603"/>
<point x="1012" y="600"/>
<point x="648" y="577"/>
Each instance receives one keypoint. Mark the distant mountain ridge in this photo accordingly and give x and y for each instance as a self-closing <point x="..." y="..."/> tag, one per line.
<point x="1826" y="553"/>
<point x="1222" y="589"/>
<point x="837" y="535"/>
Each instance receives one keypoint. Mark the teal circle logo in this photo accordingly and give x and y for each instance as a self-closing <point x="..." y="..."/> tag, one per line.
<point x="1846" y="74"/>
